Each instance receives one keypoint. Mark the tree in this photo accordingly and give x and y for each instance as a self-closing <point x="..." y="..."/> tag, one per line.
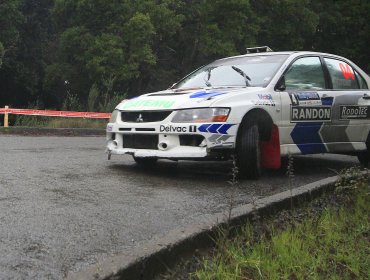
<point x="286" y="25"/>
<point x="50" y="49"/>
<point x="104" y="40"/>
<point x="1" y="53"/>
<point x="344" y="29"/>
<point x="10" y="21"/>
<point x="214" y="29"/>
<point x="25" y="30"/>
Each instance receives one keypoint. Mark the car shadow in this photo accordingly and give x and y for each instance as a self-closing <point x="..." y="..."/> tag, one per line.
<point x="304" y="166"/>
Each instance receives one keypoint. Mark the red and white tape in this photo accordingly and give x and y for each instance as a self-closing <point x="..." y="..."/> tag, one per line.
<point x="50" y="113"/>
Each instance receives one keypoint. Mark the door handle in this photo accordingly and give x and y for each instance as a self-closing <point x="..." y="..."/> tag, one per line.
<point x="366" y="96"/>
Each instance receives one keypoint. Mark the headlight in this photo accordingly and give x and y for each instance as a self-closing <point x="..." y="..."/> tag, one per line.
<point x="114" y="116"/>
<point x="202" y="115"/>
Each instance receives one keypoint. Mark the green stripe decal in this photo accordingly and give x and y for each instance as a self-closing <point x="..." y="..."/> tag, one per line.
<point x="163" y="104"/>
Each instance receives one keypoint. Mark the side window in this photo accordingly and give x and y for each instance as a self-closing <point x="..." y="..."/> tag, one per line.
<point x="341" y="74"/>
<point x="362" y="82"/>
<point x="305" y="73"/>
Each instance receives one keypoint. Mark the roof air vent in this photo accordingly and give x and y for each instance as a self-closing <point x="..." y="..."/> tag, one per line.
<point x="259" y="49"/>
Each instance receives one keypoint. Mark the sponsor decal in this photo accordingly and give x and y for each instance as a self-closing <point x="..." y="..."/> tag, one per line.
<point x="264" y="100"/>
<point x="305" y="98"/>
<point x="311" y="103"/>
<point x="310" y="113"/>
<point x="347" y="71"/>
<point x="215" y="128"/>
<point x="177" y="129"/>
<point x="206" y="94"/>
<point x="264" y="103"/>
<point x="193" y="128"/>
<point x="306" y="135"/>
<point x="266" y="96"/>
<point x="109" y="128"/>
<point x="354" y="112"/>
<point x="170" y="128"/>
<point x="163" y="104"/>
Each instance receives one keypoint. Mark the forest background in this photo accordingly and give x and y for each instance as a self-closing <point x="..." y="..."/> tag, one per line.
<point x="90" y="54"/>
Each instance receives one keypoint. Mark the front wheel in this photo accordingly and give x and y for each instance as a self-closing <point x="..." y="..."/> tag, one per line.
<point x="145" y="161"/>
<point x="248" y="152"/>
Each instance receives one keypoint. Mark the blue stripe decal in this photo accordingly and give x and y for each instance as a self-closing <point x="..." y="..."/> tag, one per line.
<point x="327" y="101"/>
<point x="306" y="135"/>
<point x="204" y="127"/>
<point x="225" y="128"/>
<point x="308" y="149"/>
<point x="204" y="94"/>
<point x="215" y="128"/>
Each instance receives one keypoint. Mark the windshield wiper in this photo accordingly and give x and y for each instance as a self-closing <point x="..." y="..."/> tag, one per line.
<point x="207" y="82"/>
<point x="241" y="72"/>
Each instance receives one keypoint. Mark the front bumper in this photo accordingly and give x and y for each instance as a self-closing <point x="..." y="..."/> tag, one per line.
<point x="169" y="140"/>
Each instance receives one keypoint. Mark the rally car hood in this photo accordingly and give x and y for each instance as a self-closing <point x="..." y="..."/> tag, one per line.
<point x="189" y="98"/>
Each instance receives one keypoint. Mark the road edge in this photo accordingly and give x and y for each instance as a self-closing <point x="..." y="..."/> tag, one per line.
<point x="156" y="255"/>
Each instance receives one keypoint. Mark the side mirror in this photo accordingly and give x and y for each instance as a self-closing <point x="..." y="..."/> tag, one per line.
<point x="280" y="86"/>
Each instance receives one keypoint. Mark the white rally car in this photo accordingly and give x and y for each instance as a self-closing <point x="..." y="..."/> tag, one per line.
<point x="260" y="107"/>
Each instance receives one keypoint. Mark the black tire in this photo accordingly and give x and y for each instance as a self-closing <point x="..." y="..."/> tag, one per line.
<point x="145" y="161"/>
<point x="248" y="152"/>
<point x="364" y="158"/>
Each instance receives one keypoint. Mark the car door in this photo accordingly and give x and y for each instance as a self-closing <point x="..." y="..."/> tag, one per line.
<point x="349" y="127"/>
<point x="307" y="106"/>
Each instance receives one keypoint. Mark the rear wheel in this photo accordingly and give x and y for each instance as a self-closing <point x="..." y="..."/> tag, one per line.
<point x="248" y="152"/>
<point x="364" y="158"/>
<point x="145" y="161"/>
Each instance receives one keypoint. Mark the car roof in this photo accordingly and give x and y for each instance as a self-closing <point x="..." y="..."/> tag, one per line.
<point x="289" y="53"/>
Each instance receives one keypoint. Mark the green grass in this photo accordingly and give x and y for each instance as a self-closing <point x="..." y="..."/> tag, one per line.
<point x="77" y="123"/>
<point x="334" y="245"/>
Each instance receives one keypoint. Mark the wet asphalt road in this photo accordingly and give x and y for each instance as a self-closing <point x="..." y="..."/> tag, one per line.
<point x="63" y="206"/>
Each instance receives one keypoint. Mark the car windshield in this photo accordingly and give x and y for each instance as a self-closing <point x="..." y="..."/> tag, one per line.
<point x="254" y="71"/>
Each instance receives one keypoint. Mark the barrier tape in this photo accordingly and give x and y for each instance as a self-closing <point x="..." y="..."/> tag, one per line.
<point x="50" y="113"/>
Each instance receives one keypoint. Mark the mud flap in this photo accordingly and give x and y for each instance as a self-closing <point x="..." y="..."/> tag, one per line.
<point x="270" y="151"/>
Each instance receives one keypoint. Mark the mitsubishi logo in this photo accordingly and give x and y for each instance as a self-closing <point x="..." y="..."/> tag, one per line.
<point x="140" y="119"/>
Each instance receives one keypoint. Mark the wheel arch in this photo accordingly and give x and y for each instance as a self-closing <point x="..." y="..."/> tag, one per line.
<point x="263" y="120"/>
<point x="268" y="136"/>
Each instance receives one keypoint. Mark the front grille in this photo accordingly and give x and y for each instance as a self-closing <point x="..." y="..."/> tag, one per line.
<point x="125" y="129"/>
<point x="144" y="116"/>
<point x="191" y="140"/>
<point x="140" y="141"/>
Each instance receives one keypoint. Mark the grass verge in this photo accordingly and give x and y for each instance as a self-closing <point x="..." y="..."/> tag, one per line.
<point x="57" y="122"/>
<point x="334" y="244"/>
